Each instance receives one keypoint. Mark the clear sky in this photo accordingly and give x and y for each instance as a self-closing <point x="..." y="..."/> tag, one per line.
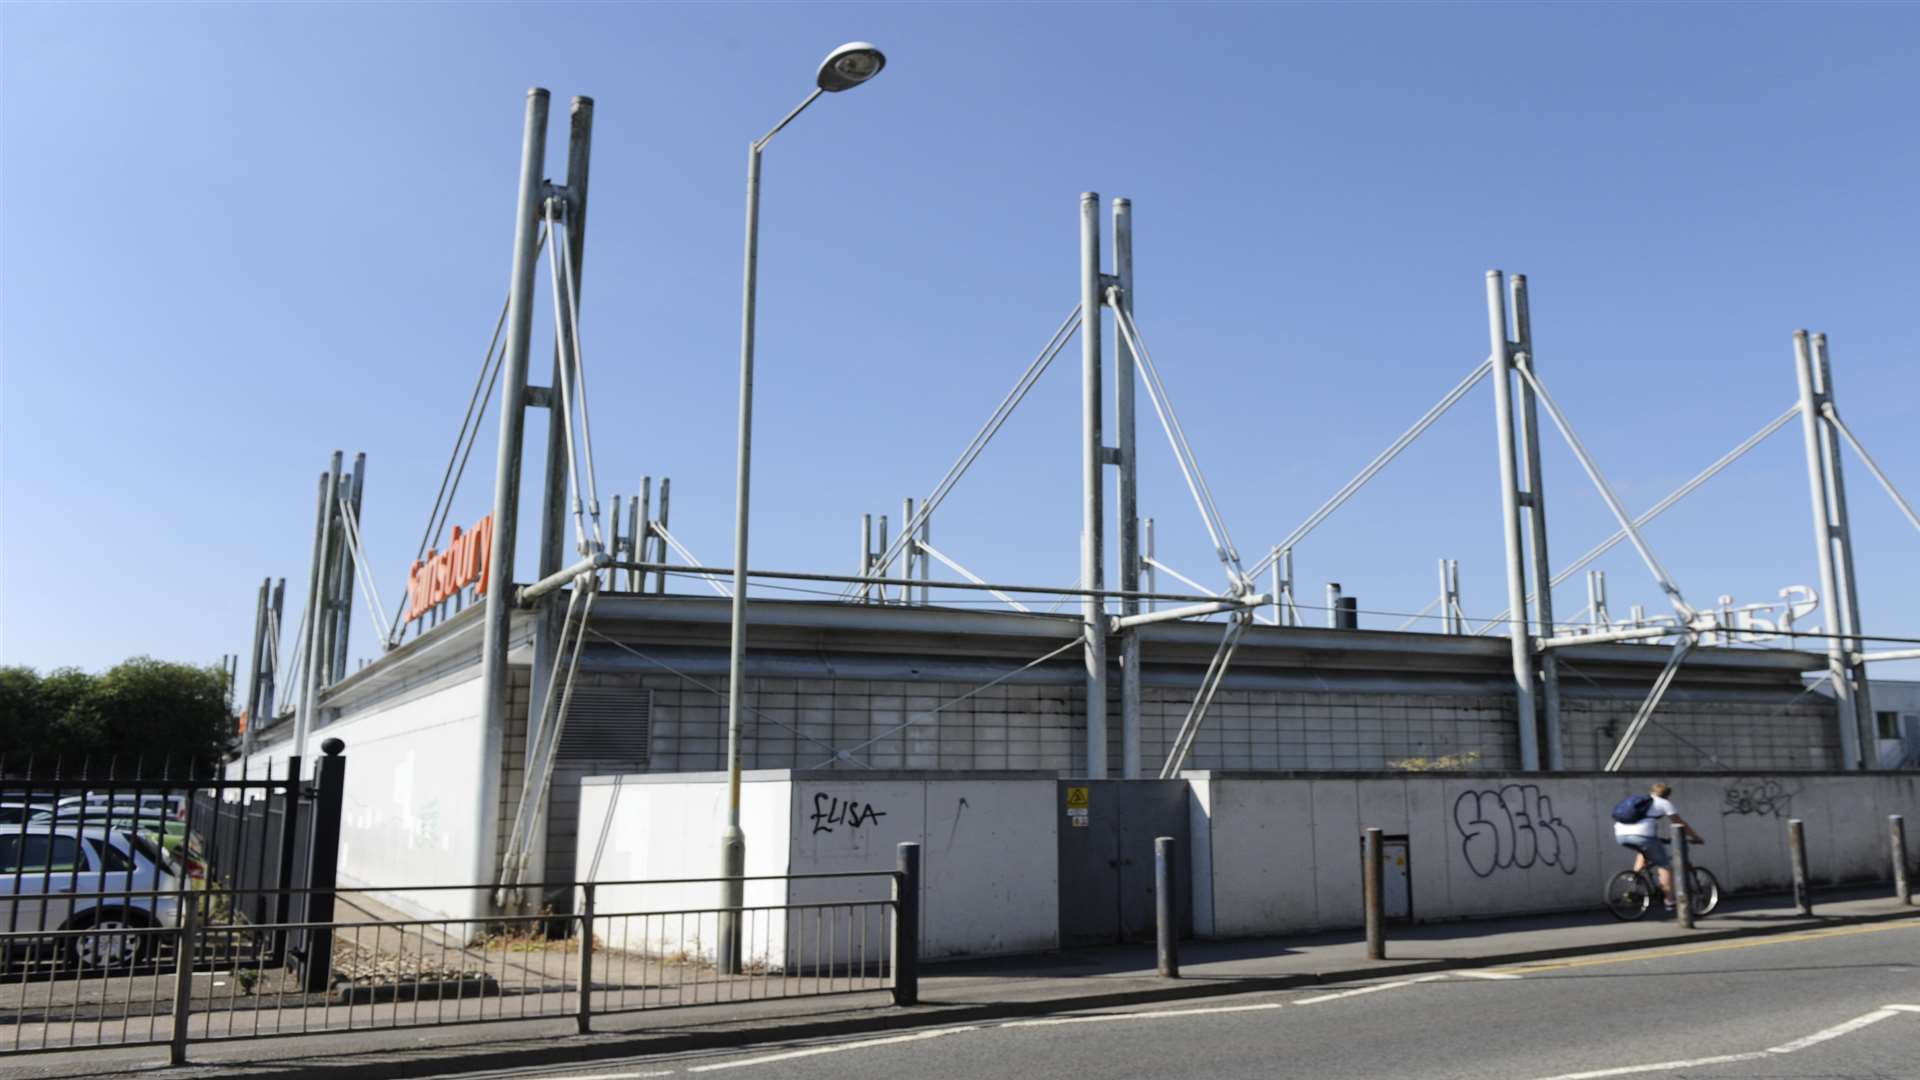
<point x="235" y="238"/>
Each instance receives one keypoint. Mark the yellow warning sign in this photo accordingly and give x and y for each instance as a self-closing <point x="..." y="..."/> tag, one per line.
<point x="1077" y="798"/>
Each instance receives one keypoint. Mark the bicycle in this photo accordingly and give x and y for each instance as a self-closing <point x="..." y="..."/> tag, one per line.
<point x="1631" y="893"/>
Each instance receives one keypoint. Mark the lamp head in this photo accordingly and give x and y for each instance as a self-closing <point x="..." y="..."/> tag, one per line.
<point x="849" y="65"/>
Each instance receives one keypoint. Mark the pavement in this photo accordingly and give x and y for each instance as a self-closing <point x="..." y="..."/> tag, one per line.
<point x="972" y="992"/>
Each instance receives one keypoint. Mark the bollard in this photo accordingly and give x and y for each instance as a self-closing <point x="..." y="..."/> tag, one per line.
<point x="1682" y="887"/>
<point x="1902" y="888"/>
<point x="1372" y="890"/>
<point x="585" y="1019"/>
<point x="906" y="925"/>
<point x="1797" y="851"/>
<point x="183" y="961"/>
<point x="1166" y="907"/>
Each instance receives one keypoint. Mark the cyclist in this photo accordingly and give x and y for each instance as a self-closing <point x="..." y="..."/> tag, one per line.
<point x="1641" y="833"/>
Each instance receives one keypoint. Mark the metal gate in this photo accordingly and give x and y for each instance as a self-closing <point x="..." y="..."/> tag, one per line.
<point x="1107" y="828"/>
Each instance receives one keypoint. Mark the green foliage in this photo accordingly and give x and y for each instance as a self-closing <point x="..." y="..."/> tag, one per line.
<point x="142" y="708"/>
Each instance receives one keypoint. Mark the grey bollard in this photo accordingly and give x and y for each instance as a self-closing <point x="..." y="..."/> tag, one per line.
<point x="1166" y="908"/>
<point x="1797" y="852"/>
<point x="1902" y="888"/>
<point x="584" y="1018"/>
<point x="1372" y="886"/>
<point x="1682" y="887"/>
<point x="906" y="925"/>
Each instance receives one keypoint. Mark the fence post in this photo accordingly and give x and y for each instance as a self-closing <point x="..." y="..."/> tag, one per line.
<point x="1372" y="885"/>
<point x="325" y="855"/>
<point x="1902" y="888"/>
<point x="1166" y="907"/>
<point x="183" y="958"/>
<point x="1682" y="880"/>
<point x="906" y="925"/>
<point x="586" y="958"/>
<point x="1797" y="851"/>
<point x="289" y="844"/>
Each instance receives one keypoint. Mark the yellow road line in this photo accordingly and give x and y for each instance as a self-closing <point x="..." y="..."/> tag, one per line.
<point x="1713" y="946"/>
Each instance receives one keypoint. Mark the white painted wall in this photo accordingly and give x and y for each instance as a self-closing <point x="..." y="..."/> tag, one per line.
<point x="989" y="851"/>
<point x="671" y="830"/>
<point x="410" y="807"/>
<point x="1283" y="855"/>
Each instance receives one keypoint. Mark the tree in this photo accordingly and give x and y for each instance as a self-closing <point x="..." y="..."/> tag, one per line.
<point x="140" y="710"/>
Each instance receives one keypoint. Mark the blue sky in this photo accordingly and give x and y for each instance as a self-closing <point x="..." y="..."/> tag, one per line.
<point x="235" y="238"/>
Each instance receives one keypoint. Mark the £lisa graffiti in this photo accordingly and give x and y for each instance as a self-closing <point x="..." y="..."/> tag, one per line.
<point x="1763" y="798"/>
<point x="829" y="811"/>
<point x="1513" y="827"/>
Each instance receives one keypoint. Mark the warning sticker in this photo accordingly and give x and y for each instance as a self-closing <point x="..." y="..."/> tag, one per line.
<point x="1076" y="798"/>
<point x="1077" y="817"/>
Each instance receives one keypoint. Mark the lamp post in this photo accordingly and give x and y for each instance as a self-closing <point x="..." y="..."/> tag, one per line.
<point x="844" y="68"/>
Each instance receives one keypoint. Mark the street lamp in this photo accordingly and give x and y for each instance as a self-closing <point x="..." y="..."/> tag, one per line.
<point x="844" y="68"/>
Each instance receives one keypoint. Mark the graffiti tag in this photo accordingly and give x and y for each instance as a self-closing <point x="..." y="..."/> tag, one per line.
<point x="1513" y="827"/>
<point x="1761" y="798"/>
<point x="829" y="811"/>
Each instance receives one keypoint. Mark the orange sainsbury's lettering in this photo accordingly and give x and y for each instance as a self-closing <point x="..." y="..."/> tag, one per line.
<point x="466" y="561"/>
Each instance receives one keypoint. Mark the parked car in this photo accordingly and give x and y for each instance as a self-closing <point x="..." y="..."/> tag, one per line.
<point x="13" y="813"/>
<point x="109" y="881"/>
<point x="164" y="816"/>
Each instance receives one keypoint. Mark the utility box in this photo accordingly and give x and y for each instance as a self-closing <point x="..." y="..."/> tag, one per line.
<point x="1396" y="873"/>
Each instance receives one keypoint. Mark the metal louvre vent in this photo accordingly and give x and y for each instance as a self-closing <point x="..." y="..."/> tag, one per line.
<point x="608" y="724"/>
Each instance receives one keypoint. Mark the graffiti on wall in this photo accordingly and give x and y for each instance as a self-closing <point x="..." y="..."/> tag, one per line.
<point x="1759" y="797"/>
<point x="1513" y="828"/>
<point x="829" y="811"/>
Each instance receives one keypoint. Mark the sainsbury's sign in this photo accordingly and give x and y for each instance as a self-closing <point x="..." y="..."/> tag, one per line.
<point x="466" y="561"/>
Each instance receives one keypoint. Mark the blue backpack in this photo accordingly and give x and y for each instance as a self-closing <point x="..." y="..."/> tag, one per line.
<point x="1632" y="808"/>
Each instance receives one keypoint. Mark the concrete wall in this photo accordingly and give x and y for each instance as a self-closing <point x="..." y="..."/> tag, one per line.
<point x="990" y="884"/>
<point x="1283" y="854"/>
<point x="671" y="829"/>
<point x="410" y="806"/>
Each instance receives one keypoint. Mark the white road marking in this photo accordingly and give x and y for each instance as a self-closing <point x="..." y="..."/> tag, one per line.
<point x="609" y="1076"/>
<point x="1486" y="974"/>
<point x="1834" y="1032"/>
<point x="1818" y="1037"/>
<point x="1161" y="1014"/>
<point x="1369" y="989"/>
<point x="1661" y="1066"/>
<point x="768" y="1059"/>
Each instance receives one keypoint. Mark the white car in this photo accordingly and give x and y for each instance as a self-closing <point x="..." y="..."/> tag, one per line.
<point x="13" y="813"/>
<point x="67" y="878"/>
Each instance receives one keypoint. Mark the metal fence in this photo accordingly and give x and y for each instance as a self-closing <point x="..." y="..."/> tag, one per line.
<point x="217" y="972"/>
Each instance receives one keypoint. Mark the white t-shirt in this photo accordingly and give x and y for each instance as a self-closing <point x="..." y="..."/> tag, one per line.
<point x="1646" y="825"/>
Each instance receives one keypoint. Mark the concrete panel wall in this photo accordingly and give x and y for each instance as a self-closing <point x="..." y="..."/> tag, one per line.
<point x="671" y="830"/>
<point x="990" y="883"/>
<point x="410" y="807"/>
<point x="988" y="843"/>
<point x="1484" y="845"/>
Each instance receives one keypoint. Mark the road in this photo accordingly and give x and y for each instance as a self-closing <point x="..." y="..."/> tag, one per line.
<point x="1835" y="1002"/>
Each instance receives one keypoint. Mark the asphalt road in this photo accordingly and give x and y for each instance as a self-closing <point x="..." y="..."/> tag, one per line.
<point x="1831" y="1003"/>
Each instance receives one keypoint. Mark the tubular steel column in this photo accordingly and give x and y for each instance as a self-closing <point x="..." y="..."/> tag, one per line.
<point x="553" y="505"/>
<point x="498" y="620"/>
<point x="1849" y="615"/>
<point x="1837" y="668"/>
<point x="343" y="616"/>
<point x="1532" y="476"/>
<point x="330" y="576"/>
<point x="254" y="666"/>
<point x="1123" y="389"/>
<point x="1092" y="510"/>
<point x="1510" y="525"/>
<point x="316" y="599"/>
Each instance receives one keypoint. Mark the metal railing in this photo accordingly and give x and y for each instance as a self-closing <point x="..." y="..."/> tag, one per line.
<point x="220" y="973"/>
